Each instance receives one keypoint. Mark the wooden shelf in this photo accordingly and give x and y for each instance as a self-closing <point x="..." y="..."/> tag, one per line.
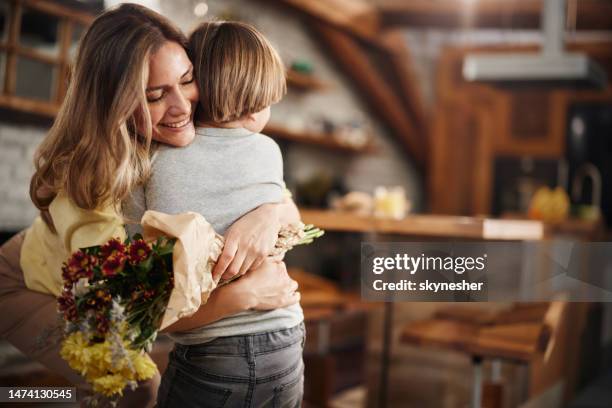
<point x="305" y="82"/>
<point x="321" y="140"/>
<point x="434" y="226"/>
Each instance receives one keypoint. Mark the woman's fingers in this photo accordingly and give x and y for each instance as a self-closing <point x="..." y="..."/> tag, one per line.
<point x="234" y="267"/>
<point x="247" y="264"/>
<point x="294" y="298"/>
<point x="271" y="287"/>
<point x="289" y="299"/>
<point x="225" y="259"/>
<point x="293" y="286"/>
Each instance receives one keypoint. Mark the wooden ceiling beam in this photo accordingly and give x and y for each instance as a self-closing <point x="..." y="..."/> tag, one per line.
<point x="402" y="67"/>
<point x="454" y="14"/>
<point x="378" y="93"/>
<point x="358" y="17"/>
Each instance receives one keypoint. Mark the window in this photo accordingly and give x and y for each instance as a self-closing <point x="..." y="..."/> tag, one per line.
<point x="38" y="41"/>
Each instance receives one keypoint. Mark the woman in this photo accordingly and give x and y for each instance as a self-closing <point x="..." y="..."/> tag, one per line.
<point x="125" y="96"/>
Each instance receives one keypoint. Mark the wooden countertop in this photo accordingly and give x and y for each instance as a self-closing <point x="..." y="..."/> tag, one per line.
<point x="592" y="230"/>
<point x="438" y="226"/>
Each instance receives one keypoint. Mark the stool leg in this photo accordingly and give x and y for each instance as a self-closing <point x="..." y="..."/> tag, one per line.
<point x="385" y="356"/>
<point x="477" y="384"/>
<point x="496" y="370"/>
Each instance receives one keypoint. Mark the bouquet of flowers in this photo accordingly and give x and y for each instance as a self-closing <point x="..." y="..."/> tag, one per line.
<point x="117" y="296"/>
<point x="112" y="302"/>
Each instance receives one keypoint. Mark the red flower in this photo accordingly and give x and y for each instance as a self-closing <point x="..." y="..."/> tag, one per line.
<point x="113" y="265"/>
<point x="104" y="296"/>
<point x="149" y="294"/>
<point x="66" y="305"/>
<point x="112" y="248"/>
<point x="80" y="265"/>
<point x="102" y="324"/>
<point x="139" y="251"/>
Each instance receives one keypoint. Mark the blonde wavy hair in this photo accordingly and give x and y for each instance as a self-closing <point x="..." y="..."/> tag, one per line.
<point x="92" y="152"/>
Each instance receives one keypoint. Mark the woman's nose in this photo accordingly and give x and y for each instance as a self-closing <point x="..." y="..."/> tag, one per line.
<point x="180" y="104"/>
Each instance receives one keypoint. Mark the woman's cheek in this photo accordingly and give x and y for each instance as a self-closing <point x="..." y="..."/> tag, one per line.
<point x="192" y="93"/>
<point x="156" y="113"/>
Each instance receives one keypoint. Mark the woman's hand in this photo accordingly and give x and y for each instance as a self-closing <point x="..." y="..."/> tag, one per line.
<point x="250" y="240"/>
<point x="268" y="287"/>
<point x="265" y="288"/>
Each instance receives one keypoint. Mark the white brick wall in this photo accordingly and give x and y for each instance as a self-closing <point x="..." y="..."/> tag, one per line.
<point x="17" y="145"/>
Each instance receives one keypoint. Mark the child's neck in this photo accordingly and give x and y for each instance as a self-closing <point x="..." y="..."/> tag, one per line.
<point x="236" y="124"/>
<point x="227" y="125"/>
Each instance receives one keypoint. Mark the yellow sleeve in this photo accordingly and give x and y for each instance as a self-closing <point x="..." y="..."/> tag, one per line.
<point x="79" y="228"/>
<point x="43" y="252"/>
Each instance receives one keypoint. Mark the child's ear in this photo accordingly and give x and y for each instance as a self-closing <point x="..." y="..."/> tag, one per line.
<point x="250" y="117"/>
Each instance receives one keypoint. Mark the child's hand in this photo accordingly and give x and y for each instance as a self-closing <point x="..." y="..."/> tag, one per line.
<point x="248" y="242"/>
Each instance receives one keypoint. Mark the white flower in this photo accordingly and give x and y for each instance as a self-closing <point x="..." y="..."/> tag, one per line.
<point x="81" y="287"/>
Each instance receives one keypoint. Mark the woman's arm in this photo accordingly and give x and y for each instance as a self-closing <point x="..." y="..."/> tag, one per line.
<point x="265" y="288"/>
<point x="288" y="212"/>
<point x="250" y="240"/>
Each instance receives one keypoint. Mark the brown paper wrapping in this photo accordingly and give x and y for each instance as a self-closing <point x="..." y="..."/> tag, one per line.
<point x="196" y="250"/>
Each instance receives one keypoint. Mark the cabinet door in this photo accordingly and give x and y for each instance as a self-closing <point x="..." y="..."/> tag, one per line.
<point x="460" y="173"/>
<point x="530" y="123"/>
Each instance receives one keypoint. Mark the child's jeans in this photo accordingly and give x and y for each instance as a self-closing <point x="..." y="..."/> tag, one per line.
<point x="258" y="370"/>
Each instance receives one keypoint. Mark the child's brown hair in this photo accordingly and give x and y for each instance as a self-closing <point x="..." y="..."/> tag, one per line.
<point x="237" y="70"/>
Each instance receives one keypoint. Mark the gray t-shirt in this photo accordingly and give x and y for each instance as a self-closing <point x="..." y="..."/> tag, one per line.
<point x="223" y="174"/>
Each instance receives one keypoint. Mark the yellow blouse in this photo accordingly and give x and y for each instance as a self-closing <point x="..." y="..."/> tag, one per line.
<point x="43" y="251"/>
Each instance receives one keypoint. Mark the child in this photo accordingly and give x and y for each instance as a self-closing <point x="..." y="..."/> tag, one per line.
<point x="252" y="358"/>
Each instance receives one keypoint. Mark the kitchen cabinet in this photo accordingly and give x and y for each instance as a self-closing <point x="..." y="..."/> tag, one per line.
<point x="474" y="124"/>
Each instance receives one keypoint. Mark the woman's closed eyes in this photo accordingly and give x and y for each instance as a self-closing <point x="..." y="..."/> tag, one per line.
<point x="156" y="94"/>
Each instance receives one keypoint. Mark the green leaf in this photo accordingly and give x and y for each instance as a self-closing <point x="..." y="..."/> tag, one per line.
<point x="166" y="247"/>
<point x="146" y="265"/>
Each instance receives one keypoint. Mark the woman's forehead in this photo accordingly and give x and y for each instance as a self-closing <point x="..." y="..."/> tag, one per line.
<point x="167" y="65"/>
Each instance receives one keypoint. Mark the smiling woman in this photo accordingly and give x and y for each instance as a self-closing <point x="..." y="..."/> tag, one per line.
<point x="132" y="84"/>
<point x="171" y="95"/>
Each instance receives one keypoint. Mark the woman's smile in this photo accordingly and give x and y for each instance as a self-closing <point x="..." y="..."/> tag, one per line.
<point x="177" y="125"/>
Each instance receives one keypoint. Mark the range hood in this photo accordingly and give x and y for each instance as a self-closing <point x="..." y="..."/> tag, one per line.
<point x="553" y="66"/>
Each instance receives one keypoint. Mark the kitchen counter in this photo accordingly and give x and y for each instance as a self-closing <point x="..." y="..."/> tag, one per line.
<point x="428" y="226"/>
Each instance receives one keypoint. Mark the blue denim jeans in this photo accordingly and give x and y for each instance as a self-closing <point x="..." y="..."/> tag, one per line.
<point x="257" y="370"/>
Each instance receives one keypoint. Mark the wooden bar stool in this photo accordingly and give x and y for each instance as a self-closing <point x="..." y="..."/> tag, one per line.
<point x="518" y="334"/>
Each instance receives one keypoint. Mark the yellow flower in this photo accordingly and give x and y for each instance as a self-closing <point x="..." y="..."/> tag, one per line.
<point x="75" y="350"/>
<point x="100" y="359"/>
<point x="109" y="384"/>
<point x="108" y="375"/>
<point x="145" y="367"/>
